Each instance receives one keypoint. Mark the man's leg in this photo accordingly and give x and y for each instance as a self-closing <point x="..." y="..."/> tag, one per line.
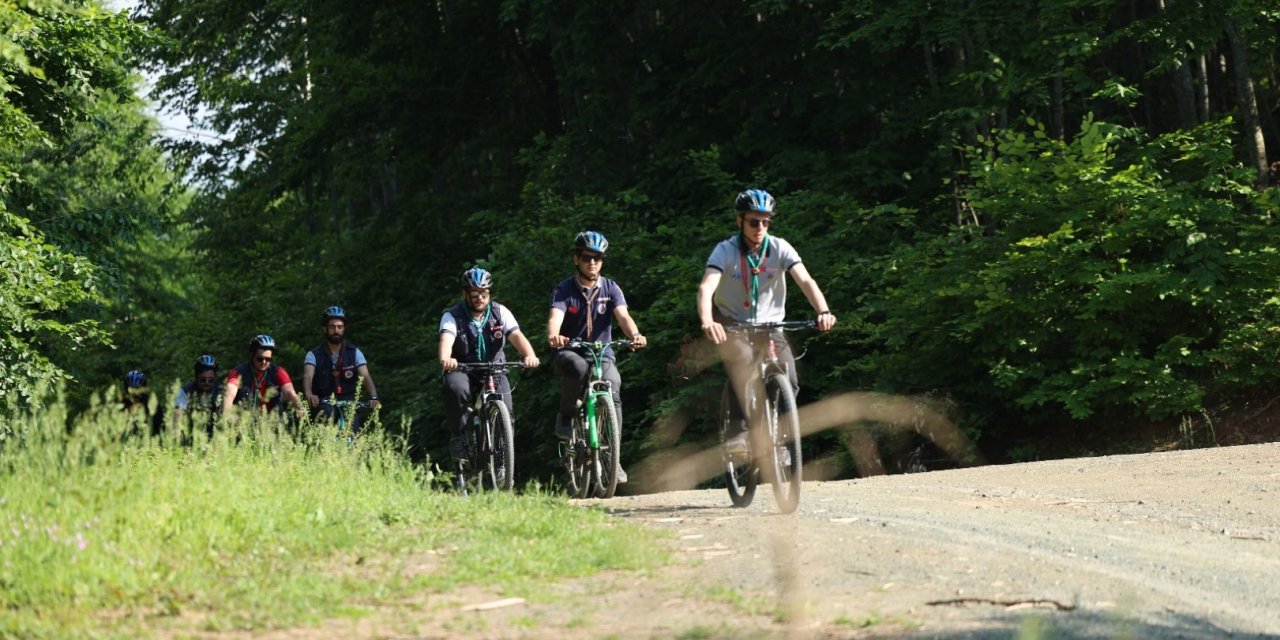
<point x="611" y="374"/>
<point x="456" y="393"/>
<point x="737" y="356"/>
<point x="572" y="369"/>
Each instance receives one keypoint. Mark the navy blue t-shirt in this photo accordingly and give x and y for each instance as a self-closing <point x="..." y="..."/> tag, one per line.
<point x="588" y="313"/>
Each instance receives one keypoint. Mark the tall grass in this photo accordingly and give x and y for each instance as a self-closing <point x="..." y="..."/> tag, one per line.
<point x="106" y="530"/>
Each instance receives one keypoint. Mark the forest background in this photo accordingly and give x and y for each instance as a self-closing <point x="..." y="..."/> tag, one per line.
<point x="1050" y="220"/>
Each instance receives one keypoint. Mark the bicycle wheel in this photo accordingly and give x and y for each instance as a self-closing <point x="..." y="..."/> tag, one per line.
<point x="605" y="460"/>
<point x="500" y="457"/>
<point x="741" y="477"/>
<point x="577" y="462"/>
<point x="784" y="462"/>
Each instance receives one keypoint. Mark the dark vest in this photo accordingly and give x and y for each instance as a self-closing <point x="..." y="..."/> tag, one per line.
<point x="466" y="343"/>
<point x="338" y="380"/>
<point x="249" y="386"/>
<point x="202" y="407"/>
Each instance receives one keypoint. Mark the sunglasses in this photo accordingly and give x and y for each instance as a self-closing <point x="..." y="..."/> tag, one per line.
<point x="206" y="380"/>
<point x="478" y="293"/>
<point x="262" y="359"/>
<point x="758" y="222"/>
<point x="595" y="258"/>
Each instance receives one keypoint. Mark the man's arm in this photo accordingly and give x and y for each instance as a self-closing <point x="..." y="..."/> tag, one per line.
<point x="363" y="371"/>
<point x="447" y="361"/>
<point x="522" y="345"/>
<point x="809" y="286"/>
<point x="706" y="292"/>
<point x="554" y="319"/>
<point x="629" y="327"/>
<point x="229" y="398"/>
<point x="291" y="395"/>
<point x="309" y="374"/>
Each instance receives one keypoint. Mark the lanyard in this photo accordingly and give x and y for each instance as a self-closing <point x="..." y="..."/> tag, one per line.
<point x="754" y="262"/>
<point x="481" y="349"/>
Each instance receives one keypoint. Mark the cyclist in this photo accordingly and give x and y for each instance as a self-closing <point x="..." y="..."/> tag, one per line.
<point x="135" y="402"/>
<point x="584" y="306"/>
<point x="476" y="330"/>
<point x="332" y="370"/>
<point x="266" y="383"/>
<point x="200" y="398"/>
<point x="753" y="291"/>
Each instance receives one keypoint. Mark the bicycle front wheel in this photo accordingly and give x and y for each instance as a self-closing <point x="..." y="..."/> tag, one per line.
<point x="606" y="460"/>
<point x="783" y="460"/>
<point x="500" y="461"/>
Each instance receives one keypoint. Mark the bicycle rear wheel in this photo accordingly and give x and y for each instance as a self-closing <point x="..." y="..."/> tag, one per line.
<point x="500" y="457"/>
<point x="784" y="462"/>
<point x="741" y="476"/>
<point x="606" y="460"/>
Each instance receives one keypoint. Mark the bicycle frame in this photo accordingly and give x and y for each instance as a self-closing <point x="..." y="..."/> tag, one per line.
<point x="597" y="388"/>
<point x="482" y="424"/>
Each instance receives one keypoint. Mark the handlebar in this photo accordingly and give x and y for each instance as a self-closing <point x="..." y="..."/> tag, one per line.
<point x="342" y="404"/>
<point x="498" y="367"/>
<point x="759" y="327"/>
<point x="597" y="345"/>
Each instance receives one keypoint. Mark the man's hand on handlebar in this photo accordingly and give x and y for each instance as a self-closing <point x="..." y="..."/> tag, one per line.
<point x="826" y="321"/>
<point x="714" y="331"/>
<point x="557" y="341"/>
<point x="448" y="364"/>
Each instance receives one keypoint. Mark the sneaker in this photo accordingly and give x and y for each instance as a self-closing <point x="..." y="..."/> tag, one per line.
<point x="622" y="475"/>
<point x="564" y="427"/>
<point x="458" y="448"/>
<point x="736" y="446"/>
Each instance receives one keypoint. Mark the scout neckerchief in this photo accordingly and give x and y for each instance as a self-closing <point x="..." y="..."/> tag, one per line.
<point x="754" y="262"/>
<point x="590" y="296"/>
<point x="479" y="323"/>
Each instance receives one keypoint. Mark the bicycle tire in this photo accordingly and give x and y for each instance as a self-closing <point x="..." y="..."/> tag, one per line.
<point x="577" y="468"/>
<point x="500" y="459"/>
<point x="607" y="459"/>
<point x="741" y="477"/>
<point x="784" y="471"/>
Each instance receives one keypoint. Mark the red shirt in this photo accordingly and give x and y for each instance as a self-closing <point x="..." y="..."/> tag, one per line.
<point x="264" y="398"/>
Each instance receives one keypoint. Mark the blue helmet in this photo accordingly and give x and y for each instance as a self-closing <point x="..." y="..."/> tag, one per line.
<point x="135" y="380"/>
<point x="206" y="363"/>
<point x="477" y="278"/>
<point x="757" y="200"/>
<point x="591" y="241"/>
<point x="331" y="313"/>
<point x="262" y="341"/>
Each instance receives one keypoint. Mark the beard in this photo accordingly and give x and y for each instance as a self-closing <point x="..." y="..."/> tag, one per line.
<point x="335" y="339"/>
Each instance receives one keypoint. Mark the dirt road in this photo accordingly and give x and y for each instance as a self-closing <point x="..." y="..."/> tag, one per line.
<point x="1168" y="545"/>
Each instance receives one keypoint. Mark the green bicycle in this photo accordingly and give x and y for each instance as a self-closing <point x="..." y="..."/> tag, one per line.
<point x="591" y="455"/>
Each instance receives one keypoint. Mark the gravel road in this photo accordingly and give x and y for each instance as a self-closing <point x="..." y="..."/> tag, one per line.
<point x="1181" y="544"/>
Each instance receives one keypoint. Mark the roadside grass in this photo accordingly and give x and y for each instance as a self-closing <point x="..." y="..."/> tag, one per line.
<point x="107" y="532"/>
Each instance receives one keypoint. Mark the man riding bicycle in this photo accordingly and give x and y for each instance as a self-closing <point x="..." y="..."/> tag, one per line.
<point x="265" y="384"/>
<point x="754" y="291"/>
<point x="333" y="370"/>
<point x="583" y="307"/>
<point x="476" y="330"/>
<point x="200" y="399"/>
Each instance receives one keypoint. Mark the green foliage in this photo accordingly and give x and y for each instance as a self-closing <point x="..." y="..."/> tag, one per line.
<point x="1103" y="276"/>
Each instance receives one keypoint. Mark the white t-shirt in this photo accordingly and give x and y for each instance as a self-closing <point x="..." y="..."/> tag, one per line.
<point x="733" y="295"/>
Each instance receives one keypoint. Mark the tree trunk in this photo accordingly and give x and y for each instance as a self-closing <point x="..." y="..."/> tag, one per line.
<point x="1249" y="119"/>
<point x="1200" y="74"/>
<point x="1057" y="124"/>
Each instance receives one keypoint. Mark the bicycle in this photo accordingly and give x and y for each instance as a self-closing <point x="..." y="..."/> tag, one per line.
<point x="344" y="412"/>
<point x="491" y="453"/>
<point x="773" y="423"/>
<point x="592" y="455"/>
